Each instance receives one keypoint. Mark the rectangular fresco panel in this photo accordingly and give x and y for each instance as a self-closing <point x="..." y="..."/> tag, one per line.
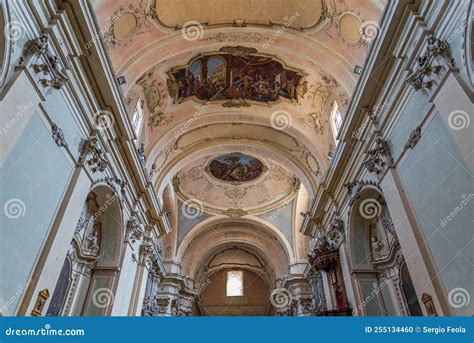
<point x="226" y="76"/>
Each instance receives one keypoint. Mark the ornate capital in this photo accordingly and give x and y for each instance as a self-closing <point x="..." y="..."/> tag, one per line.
<point x="93" y="155"/>
<point x="378" y="158"/>
<point x="134" y="229"/>
<point x="431" y="66"/>
<point x="51" y="66"/>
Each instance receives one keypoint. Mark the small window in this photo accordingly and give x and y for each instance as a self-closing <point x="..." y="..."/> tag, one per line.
<point x="336" y="121"/>
<point x="235" y="286"/>
<point x="137" y="118"/>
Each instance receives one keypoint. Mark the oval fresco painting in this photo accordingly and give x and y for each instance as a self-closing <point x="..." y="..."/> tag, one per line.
<point x="236" y="167"/>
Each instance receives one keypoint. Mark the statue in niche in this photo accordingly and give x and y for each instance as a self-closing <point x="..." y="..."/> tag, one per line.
<point x="376" y="245"/>
<point x="92" y="243"/>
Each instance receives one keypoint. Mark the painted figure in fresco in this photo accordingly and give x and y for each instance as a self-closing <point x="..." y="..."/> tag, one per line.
<point x="236" y="167"/>
<point x="251" y="77"/>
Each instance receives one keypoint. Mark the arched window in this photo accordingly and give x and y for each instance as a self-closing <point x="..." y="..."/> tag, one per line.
<point x="235" y="285"/>
<point x="137" y="118"/>
<point x="336" y="121"/>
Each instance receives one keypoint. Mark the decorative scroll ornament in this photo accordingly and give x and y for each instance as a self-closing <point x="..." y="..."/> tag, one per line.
<point x="51" y="66"/>
<point x="415" y="136"/>
<point x="58" y="136"/>
<point x="93" y="155"/>
<point x="431" y="66"/>
<point x="378" y="158"/>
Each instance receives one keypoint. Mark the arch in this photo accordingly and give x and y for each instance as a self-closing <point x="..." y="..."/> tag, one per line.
<point x="469" y="42"/>
<point x="5" y="44"/>
<point x="95" y="254"/>
<point x="200" y="229"/>
<point x="376" y="258"/>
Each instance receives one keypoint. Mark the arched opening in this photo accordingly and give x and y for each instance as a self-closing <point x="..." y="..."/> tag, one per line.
<point x="86" y="285"/>
<point x="379" y="269"/>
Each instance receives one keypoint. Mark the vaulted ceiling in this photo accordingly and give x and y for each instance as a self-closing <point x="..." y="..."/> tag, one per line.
<point x="255" y="77"/>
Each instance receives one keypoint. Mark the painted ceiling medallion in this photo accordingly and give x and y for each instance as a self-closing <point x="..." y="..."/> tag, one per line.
<point x="236" y="167"/>
<point x="235" y="74"/>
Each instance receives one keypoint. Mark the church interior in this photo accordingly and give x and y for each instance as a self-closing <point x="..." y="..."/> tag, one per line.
<point x="236" y="158"/>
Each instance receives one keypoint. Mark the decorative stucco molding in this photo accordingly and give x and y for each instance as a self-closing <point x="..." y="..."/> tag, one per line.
<point x="58" y="136"/>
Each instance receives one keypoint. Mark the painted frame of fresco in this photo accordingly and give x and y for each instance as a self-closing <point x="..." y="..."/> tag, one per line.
<point x="263" y="91"/>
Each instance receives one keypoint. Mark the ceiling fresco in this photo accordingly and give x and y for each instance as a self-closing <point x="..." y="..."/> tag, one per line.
<point x="261" y="186"/>
<point x="236" y="167"/>
<point x="239" y="75"/>
<point x="237" y="97"/>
